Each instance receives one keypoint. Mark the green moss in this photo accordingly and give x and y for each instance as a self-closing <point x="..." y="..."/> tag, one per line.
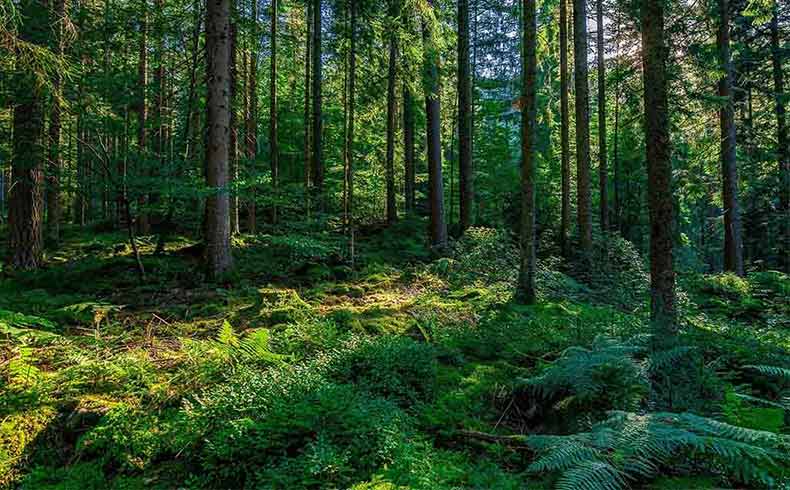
<point x="18" y="432"/>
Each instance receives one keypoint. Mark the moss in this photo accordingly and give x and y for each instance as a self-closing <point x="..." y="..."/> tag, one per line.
<point x="18" y="434"/>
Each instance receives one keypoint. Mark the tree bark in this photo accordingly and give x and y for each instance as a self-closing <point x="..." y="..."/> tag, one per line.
<point x="352" y="83"/>
<point x="392" y="211"/>
<point x="55" y="158"/>
<point x="143" y="224"/>
<point x="307" y="100"/>
<point x="26" y="200"/>
<point x="583" y="197"/>
<point x="317" y="165"/>
<point x="465" y="121"/>
<point x="783" y="146"/>
<point x="218" y="255"/>
<point x="408" y="150"/>
<point x="659" y="169"/>
<point x="733" y="242"/>
<point x="233" y="145"/>
<point x="275" y="151"/>
<point x="252" y="121"/>
<point x="434" y="143"/>
<point x="602" y="161"/>
<point x="526" y="281"/>
<point x="565" y="220"/>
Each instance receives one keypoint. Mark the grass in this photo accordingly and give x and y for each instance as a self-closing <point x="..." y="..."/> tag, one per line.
<point x="301" y="373"/>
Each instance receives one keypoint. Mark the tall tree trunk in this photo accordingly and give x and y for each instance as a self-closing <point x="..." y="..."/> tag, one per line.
<point x="465" y="121"/>
<point x="275" y="151"/>
<point x="392" y="211"/>
<point x="317" y="163"/>
<point x="565" y="220"/>
<point x="26" y="200"/>
<point x="783" y="150"/>
<point x="526" y="281"/>
<point x="434" y="143"/>
<point x="55" y="158"/>
<point x="218" y="254"/>
<point x="616" y="162"/>
<point x="307" y="100"/>
<point x="584" y="200"/>
<point x="659" y="169"/>
<point x="158" y="111"/>
<point x="252" y="119"/>
<point x="408" y="150"/>
<point x="733" y="242"/>
<point x="233" y="145"/>
<point x="143" y="224"/>
<point x="352" y="83"/>
<point x="602" y="162"/>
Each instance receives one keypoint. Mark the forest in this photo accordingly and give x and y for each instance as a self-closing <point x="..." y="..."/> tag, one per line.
<point x="394" y="244"/>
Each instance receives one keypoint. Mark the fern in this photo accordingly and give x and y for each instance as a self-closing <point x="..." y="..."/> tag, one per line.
<point x="633" y="447"/>
<point x="772" y="371"/>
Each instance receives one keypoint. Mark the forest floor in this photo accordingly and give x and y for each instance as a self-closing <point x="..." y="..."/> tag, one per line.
<point x="299" y="372"/>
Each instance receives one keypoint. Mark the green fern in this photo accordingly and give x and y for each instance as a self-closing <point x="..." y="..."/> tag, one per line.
<point x="633" y="447"/>
<point x="772" y="371"/>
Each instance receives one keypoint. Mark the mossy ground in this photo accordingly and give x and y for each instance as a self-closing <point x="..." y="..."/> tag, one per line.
<point x="110" y="382"/>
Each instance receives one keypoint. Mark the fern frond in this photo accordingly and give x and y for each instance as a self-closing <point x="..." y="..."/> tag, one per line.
<point x="773" y="371"/>
<point x="592" y="475"/>
<point x="227" y="336"/>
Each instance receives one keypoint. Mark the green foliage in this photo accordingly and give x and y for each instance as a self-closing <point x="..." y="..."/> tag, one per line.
<point x="633" y="447"/>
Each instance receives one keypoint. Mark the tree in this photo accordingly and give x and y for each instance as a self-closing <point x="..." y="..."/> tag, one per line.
<point x="26" y="200"/>
<point x="433" y="137"/>
<point x="583" y="197"/>
<point x="218" y="53"/>
<point x="352" y="81"/>
<point x="317" y="165"/>
<point x="273" y="145"/>
<point x="466" y="168"/>
<point x="408" y="147"/>
<point x="392" y="211"/>
<point x="233" y="145"/>
<point x="307" y="143"/>
<point x="783" y="146"/>
<point x="733" y="242"/>
<point x="565" y="220"/>
<point x="55" y="159"/>
<point x="526" y="282"/>
<point x="252" y="115"/>
<point x="659" y="168"/>
<point x="602" y="163"/>
<point x="143" y="225"/>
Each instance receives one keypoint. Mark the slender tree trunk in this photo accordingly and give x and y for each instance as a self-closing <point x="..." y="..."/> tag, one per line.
<point x="218" y="254"/>
<point x="392" y="211"/>
<point x="233" y="145"/>
<point x="143" y="224"/>
<point x="602" y="162"/>
<point x="783" y="150"/>
<point x="565" y="220"/>
<point x="616" y="162"/>
<point x="659" y="170"/>
<point x="408" y="150"/>
<point x="307" y="101"/>
<point x="26" y="200"/>
<point x="584" y="200"/>
<point x="434" y="143"/>
<point x="733" y="242"/>
<point x="526" y="281"/>
<point x="274" y="149"/>
<point x="352" y="83"/>
<point x="158" y="110"/>
<point x="252" y="119"/>
<point x="55" y="158"/>
<point x="465" y="121"/>
<point x="317" y="165"/>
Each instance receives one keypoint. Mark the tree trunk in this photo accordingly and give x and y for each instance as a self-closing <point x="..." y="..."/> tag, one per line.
<point x="602" y="162"/>
<point x="274" y="156"/>
<point x="307" y="99"/>
<point x="434" y="143"/>
<point x="218" y="254"/>
<point x="55" y="158"/>
<point x="659" y="170"/>
<point x="526" y="283"/>
<point x="392" y="211"/>
<point x="584" y="200"/>
<point x="465" y="121"/>
<point x="26" y="200"/>
<point x="352" y="82"/>
<point x="565" y="220"/>
<point x="317" y="164"/>
<point x="783" y="150"/>
<point x="408" y="150"/>
<point x="233" y="145"/>
<point x="252" y="120"/>
<point x="143" y="225"/>
<point x="733" y="244"/>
